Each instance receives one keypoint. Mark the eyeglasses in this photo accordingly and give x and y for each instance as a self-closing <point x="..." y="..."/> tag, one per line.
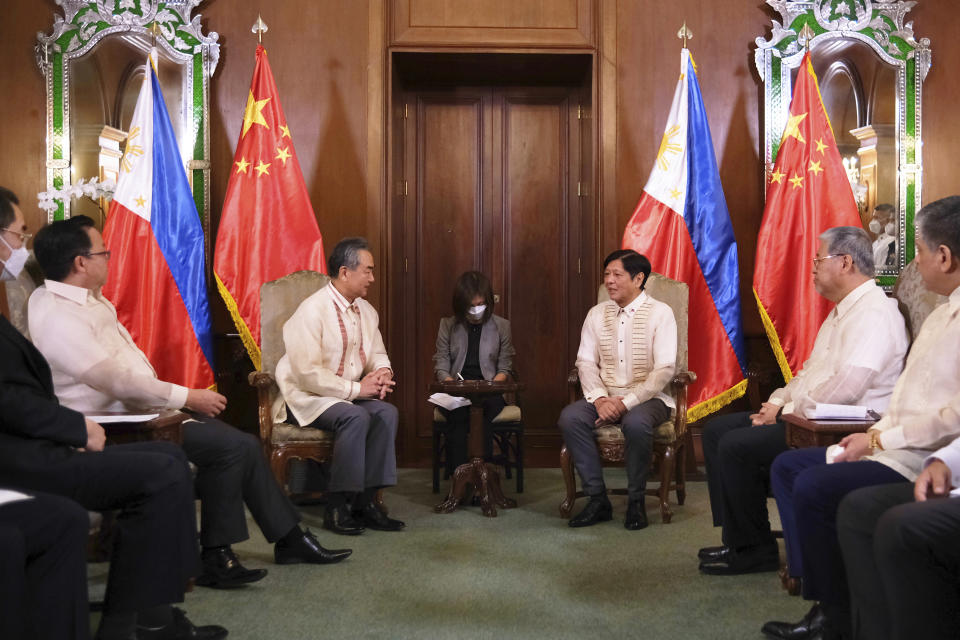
<point x="21" y="234"/>
<point x="817" y="261"/>
<point x="105" y="254"/>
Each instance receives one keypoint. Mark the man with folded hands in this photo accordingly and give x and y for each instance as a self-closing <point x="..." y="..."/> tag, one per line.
<point x="857" y="355"/>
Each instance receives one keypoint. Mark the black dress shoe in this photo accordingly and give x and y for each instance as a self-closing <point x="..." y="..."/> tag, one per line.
<point x="339" y="520"/>
<point x="714" y="554"/>
<point x="372" y="518"/>
<point x="222" y="570"/>
<point x="636" y="517"/>
<point x="306" y="548"/>
<point x="182" y="629"/>
<point x="812" y="626"/>
<point x="751" y="560"/>
<point x="598" y="509"/>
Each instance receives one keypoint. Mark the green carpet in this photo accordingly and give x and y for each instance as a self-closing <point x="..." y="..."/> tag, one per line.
<point x="524" y="574"/>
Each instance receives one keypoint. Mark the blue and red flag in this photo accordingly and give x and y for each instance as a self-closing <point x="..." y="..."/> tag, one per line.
<point x="157" y="280"/>
<point x="682" y="225"/>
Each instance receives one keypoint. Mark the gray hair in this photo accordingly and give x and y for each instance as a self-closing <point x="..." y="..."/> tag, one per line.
<point x="346" y="254"/>
<point x="853" y="242"/>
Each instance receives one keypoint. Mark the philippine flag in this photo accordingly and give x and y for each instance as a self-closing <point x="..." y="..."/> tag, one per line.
<point x="682" y="225"/>
<point x="157" y="280"/>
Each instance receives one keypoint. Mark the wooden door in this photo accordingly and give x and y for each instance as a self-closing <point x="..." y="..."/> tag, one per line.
<point x="491" y="183"/>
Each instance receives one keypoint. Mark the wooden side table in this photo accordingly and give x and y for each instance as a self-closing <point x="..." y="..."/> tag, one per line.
<point x="482" y="476"/>
<point x="167" y="426"/>
<point x="803" y="432"/>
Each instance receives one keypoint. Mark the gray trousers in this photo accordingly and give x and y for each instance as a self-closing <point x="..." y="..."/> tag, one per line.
<point x="364" y="454"/>
<point x="577" y="424"/>
<point x="232" y="471"/>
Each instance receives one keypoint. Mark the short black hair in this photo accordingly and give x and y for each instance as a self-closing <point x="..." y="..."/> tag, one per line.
<point x="346" y="254"/>
<point x="470" y="285"/>
<point x="59" y="243"/>
<point x="7" y="200"/>
<point x="633" y="263"/>
<point x="939" y="224"/>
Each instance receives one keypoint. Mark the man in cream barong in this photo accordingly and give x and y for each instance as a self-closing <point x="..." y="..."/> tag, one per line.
<point x="334" y="376"/>
<point x="627" y="357"/>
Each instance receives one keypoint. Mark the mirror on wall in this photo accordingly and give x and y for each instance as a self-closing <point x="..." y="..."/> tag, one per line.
<point x="870" y="70"/>
<point x="93" y="61"/>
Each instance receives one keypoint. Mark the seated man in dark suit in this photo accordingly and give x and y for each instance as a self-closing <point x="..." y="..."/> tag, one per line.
<point x="900" y="550"/>
<point x="43" y="568"/>
<point x="97" y="367"/>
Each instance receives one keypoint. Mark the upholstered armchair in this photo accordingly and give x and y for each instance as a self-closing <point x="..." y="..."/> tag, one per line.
<point x="283" y="442"/>
<point x="669" y="438"/>
<point x="915" y="300"/>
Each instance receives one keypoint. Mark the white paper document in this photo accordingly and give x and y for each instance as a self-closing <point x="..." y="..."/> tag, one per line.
<point x="6" y="496"/>
<point x="447" y="401"/>
<point x="837" y="412"/>
<point x="127" y="417"/>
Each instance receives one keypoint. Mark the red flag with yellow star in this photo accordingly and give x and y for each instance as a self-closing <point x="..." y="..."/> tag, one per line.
<point x="267" y="227"/>
<point x="808" y="192"/>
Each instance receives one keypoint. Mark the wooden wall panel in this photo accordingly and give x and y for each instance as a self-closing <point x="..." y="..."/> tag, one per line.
<point x="23" y="115"/>
<point x="529" y="23"/>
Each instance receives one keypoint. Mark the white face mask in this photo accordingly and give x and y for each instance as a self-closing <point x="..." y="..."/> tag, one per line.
<point x="475" y="313"/>
<point x="875" y="226"/>
<point x="13" y="265"/>
<point x="890" y="228"/>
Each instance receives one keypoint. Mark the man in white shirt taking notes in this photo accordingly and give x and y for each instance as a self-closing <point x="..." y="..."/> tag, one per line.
<point x="97" y="367"/>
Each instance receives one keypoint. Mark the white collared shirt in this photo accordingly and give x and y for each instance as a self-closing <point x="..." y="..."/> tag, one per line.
<point x="96" y="365"/>
<point x="924" y="412"/>
<point x="865" y="331"/>
<point x="661" y="343"/>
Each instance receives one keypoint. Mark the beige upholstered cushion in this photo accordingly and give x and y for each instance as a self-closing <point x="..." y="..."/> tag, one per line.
<point x="510" y="413"/>
<point x="664" y="433"/>
<point x="279" y="299"/>
<point x="916" y="301"/>
<point x="283" y="432"/>
<point x="674" y="293"/>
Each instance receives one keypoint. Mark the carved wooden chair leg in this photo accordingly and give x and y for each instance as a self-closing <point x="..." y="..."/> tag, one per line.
<point x="566" y="467"/>
<point x="788" y="582"/>
<point x="436" y="460"/>
<point x="681" y="479"/>
<point x="667" y="464"/>
<point x="278" y="465"/>
<point x="519" y="462"/>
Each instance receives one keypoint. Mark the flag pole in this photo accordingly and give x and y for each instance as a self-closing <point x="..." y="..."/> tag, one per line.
<point x="259" y="28"/>
<point x="685" y="34"/>
<point x="806" y="34"/>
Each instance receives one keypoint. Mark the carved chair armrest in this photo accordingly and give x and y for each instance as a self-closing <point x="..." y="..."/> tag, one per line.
<point x="265" y="385"/>
<point x="573" y="382"/>
<point x="679" y="386"/>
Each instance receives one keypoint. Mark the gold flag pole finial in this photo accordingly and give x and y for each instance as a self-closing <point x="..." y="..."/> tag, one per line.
<point x="685" y="34"/>
<point x="153" y="33"/>
<point x="259" y="27"/>
<point x="805" y="36"/>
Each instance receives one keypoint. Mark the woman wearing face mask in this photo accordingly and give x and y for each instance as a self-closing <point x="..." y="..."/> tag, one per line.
<point x="472" y="344"/>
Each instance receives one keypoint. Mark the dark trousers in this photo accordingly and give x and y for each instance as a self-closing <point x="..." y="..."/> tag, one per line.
<point x="903" y="563"/>
<point x="232" y="471"/>
<point x="577" y="424"/>
<point x="738" y="456"/>
<point x="808" y="493"/>
<point x="364" y="454"/>
<point x="458" y="426"/>
<point x="43" y="569"/>
<point x="149" y="484"/>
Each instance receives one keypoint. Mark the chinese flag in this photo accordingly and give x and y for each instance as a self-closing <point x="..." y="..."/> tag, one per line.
<point x="267" y="228"/>
<point x="808" y="193"/>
